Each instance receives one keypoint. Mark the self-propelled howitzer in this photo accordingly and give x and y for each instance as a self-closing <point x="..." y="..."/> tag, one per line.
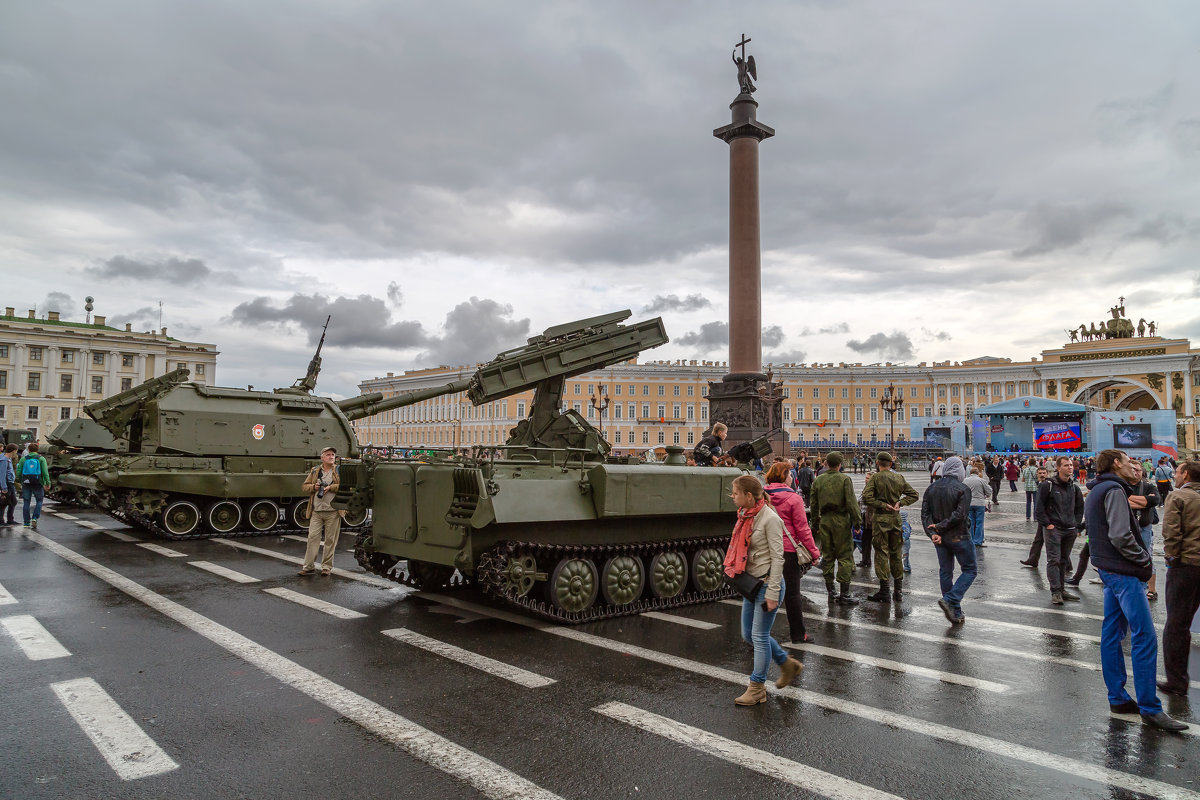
<point x="545" y="522"/>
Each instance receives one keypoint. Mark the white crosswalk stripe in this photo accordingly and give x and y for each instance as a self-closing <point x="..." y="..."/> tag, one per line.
<point x="361" y="577"/>
<point x="678" y="620"/>
<point x="6" y="599"/>
<point x="896" y="666"/>
<point x="35" y="641"/>
<point x="324" y="606"/>
<point x="521" y="677"/>
<point x="224" y="572"/>
<point x="162" y="551"/>
<point x="123" y="744"/>
<point x="773" y="766"/>
<point x="89" y="524"/>
<point x="121" y="537"/>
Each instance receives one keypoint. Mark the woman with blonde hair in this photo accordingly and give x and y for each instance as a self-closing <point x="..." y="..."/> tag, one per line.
<point x="756" y="548"/>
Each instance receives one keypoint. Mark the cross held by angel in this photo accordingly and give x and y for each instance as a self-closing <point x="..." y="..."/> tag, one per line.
<point x="745" y="67"/>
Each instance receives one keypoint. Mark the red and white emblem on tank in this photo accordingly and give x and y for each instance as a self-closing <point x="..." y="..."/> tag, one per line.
<point x="259" y="430"/>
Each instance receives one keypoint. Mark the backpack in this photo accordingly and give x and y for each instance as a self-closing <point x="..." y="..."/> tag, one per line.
<point x="32" y="468"/>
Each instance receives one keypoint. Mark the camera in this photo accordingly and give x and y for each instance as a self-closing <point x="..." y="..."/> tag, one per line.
<point x="320" y="489"/>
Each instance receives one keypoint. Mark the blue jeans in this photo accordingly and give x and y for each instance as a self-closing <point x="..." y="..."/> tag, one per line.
<point x="906" y="535"/>
<point x="1148" y="540"/>
<point x="964" y="551"/>
<point x="1127" y="609"/>
<point x="975" y="524"/>
<point x="756" y="629"/>
<point x="1030" y="497"/>
<point x="32" y="491"/>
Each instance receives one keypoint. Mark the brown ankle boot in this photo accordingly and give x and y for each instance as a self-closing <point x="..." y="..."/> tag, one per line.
<point x="755" y="693"/>
<point x="788" y="671"/>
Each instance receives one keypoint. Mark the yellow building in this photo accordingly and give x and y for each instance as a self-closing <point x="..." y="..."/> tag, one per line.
<point x="665" y="402"/>
<point x="50" y="368"/>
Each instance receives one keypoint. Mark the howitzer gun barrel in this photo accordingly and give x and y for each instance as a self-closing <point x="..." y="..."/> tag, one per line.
<point x="367" y="405"/>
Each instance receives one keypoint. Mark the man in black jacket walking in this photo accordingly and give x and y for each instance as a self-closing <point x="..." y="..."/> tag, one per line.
<point x="944" y="511"/>
<point x="1123" y="563"/>
<point x="1060" y="513"/>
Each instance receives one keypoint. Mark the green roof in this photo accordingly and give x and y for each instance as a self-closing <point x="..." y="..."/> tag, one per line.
<point x="60" y="322"/>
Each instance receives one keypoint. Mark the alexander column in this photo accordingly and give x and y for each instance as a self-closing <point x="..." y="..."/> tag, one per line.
<point x="746" y="400"/>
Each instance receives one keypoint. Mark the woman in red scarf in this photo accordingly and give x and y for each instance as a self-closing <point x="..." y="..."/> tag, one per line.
<point x="756" y="547"/>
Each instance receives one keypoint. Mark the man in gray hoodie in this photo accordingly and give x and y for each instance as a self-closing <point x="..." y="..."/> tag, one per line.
<point x="945" y="509"/>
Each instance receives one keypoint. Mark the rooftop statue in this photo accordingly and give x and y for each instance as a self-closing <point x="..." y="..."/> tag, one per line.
<point x="746" y="67"/>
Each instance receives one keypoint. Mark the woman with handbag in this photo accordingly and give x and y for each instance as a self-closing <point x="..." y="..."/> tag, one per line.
<point x="799" y="550"/>
<point x="754" y="565"/>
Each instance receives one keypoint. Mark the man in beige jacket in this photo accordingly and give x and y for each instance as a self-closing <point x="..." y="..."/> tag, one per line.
<point x="1181" y="543"/>
<point x="324" y="520"/>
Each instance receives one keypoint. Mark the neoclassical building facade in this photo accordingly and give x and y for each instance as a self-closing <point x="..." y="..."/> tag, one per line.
<point x="655" y="403"/>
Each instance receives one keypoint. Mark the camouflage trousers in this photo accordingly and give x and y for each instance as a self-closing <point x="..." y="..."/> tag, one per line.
<point x="837" y="553"/>
<point x="888" y="540"/>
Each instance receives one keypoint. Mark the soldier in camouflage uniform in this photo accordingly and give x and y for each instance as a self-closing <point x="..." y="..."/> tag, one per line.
<point x="885" y="494"/>
<point x="834" y="510"/>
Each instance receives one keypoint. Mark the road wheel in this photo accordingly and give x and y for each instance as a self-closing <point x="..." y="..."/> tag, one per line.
<point x="668" y="574"/>
<point x="622" y="580"/>
<point x="573" y="584"/>
<point x="180" y="517"/>
<point x="355" y="518"/>
<point x="296" y="514"/>
<point x="519" y="574"/>
<point x="262" y="515"/>
<point x="224" y="516"/>
<point x="708" y="565"/>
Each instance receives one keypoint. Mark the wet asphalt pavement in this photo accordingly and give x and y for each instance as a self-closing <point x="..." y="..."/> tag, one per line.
<point x="195" y="685"/>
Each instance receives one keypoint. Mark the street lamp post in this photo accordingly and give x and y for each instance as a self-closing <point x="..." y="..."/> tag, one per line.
<point x="600" y="402"/>
<point x="891" y="402"/>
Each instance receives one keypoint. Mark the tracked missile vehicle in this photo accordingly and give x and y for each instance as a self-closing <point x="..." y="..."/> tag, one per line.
<point x="545" y="522"/>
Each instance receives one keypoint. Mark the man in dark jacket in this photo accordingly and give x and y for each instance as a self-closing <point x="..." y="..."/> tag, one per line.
<point x="1059" y="509"/>
<point x="995" y="474"/>
<point x="944" y="511"/>
<point x="709" y="447"/>
<point x="1181" y="542"/>
<point x="1123" y="562"/>
<point x="804" y="480"/>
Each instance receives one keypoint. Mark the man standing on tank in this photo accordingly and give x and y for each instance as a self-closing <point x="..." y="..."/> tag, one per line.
<point x="834" y="510"/>
<point x="324" y="520"/>
<point x="709" y="448"/>
<point x="885" y="493"/>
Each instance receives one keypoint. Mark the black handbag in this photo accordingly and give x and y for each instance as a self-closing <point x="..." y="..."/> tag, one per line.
<point x="745" y="584"/>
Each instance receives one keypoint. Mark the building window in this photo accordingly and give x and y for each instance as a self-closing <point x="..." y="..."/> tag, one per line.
<point x="645" y="390"/>
<point x="874" y="392"/>
<point x="703" y="413"/>
<point x="97" y="384"/>
<point x="954" y="390"/>
<point x="31" y="412"/>
<point x="832" y="414"/>
<point x="845" y="413"/>
<point x="617" y="389"/>
<point x="64" y="384"/>
<point x="799" y="392"/>
<point x="662" y="391"/>
<point x="64" y="412"/>
<point x="675" y="392"/>
<point x="662" y="437"/>
<point x="617" y="434"/>
<point x="521" y="409"/>
<point x="691" y="412"/>
<point x="3" y="379"/>
<point x="816" y="413"/>
<point x="35" y="382"/>
<point x="591" y="389"/>
<point x="180" y="365"/>
<point x="577" y="391"/>
<point x="676" y="412"/>
<point x="858" y="417"/>
<point x="845" y="393"/>
<point x="857" y="392"/>
<point x="704" y="391"/>
<point x="645" y="411"/>
<point x="630" y="408"/>
<point x="675" y="437"/>
<point x="631" y="394"/>
<point x="126" y="384"/>
<point x="126" y="359"/>
<point x="98" y="359"/>
<point x="2" y="411"/>
<point x="787" y="413"/>
<point x="35" y="354"/>
<point x="830" y="392"/>
<point x="691" y="435"/>
<point x="4" y="352"/>
<point x="874" y="413"/>
<point x="941" y="392"/>
<point x="645" y="437"/>
<point x="941" y="411"/>
<point x="799" y="412"/>
<point x="68" y="356"/>
<point x="662" y="411"/>
<point x="616" y="412"/>
<point x="928" y="392"/>
<point x="928" y="411"/>
<point x="692" y="391"/>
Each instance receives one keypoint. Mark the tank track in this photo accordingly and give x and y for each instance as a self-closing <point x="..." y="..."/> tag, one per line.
<point x="490" y="576"/>
<point x="396" y="569"/>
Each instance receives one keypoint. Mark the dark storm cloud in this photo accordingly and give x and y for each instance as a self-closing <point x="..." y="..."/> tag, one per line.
<point x="713" y="335"/>
<point x="166" y="270"/>
<point x="1063" y="226"/>
<point x="362" y="321"/>
<point x="60" y="302"/>
<point x="476" y="331"/>
<point x="896" y="345"/>
<point x="142" y="319"/>
<point x="672" y="302"/>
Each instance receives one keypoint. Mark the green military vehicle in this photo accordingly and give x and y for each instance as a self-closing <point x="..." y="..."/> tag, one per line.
<point x="195" y="461"/>
<point x="70" y="439"/>
<point x="17" y="436"/>
<point x="546" y="522"/>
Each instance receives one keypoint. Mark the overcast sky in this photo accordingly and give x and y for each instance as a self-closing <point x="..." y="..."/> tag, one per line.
<point x="948" y="179"/>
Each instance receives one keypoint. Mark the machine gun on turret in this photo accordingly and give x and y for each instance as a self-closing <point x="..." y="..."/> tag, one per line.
<point x="308" y="383"/>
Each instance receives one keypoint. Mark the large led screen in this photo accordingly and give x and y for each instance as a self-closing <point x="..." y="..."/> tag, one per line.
<point x="1128" y="436"/>
<point x="1058" y="435"/>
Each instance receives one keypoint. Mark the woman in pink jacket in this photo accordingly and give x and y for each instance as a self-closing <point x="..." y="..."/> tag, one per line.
<point x="790" y="507"/>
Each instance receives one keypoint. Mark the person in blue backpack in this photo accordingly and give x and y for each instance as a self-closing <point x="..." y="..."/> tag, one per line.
<point x="34" y="477"/>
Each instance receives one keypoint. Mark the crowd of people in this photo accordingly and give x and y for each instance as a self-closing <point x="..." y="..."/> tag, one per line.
<point x="24" y="475"/>
<point x="801" y="514"/>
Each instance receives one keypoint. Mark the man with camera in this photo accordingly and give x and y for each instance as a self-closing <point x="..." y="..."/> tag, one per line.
<point x="324" y="520"/>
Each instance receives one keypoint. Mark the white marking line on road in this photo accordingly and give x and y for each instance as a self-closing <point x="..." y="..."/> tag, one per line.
<point x="760" y="761"/>
<point x="224" y="572"/>
<point x="970" y="644"/>
<point x="331" y="609"/>
<point x="486" y="776"/>
<point x="361" y="577"/>
<point x="521" y="677"/>
<point x="125" y="746"/>
<point x="6" y="598"/>
<point x="122" y="537"/>
<point x="976" y="741"/>
<point x="296" y="538"/>
<point x="36" y="641"/>
<point x="691" y="623"/>
<point x="63" y="515"/>
<point x="162" y="551"/>
<point x="897" y="666"/>
<point x="86" y="523"/>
